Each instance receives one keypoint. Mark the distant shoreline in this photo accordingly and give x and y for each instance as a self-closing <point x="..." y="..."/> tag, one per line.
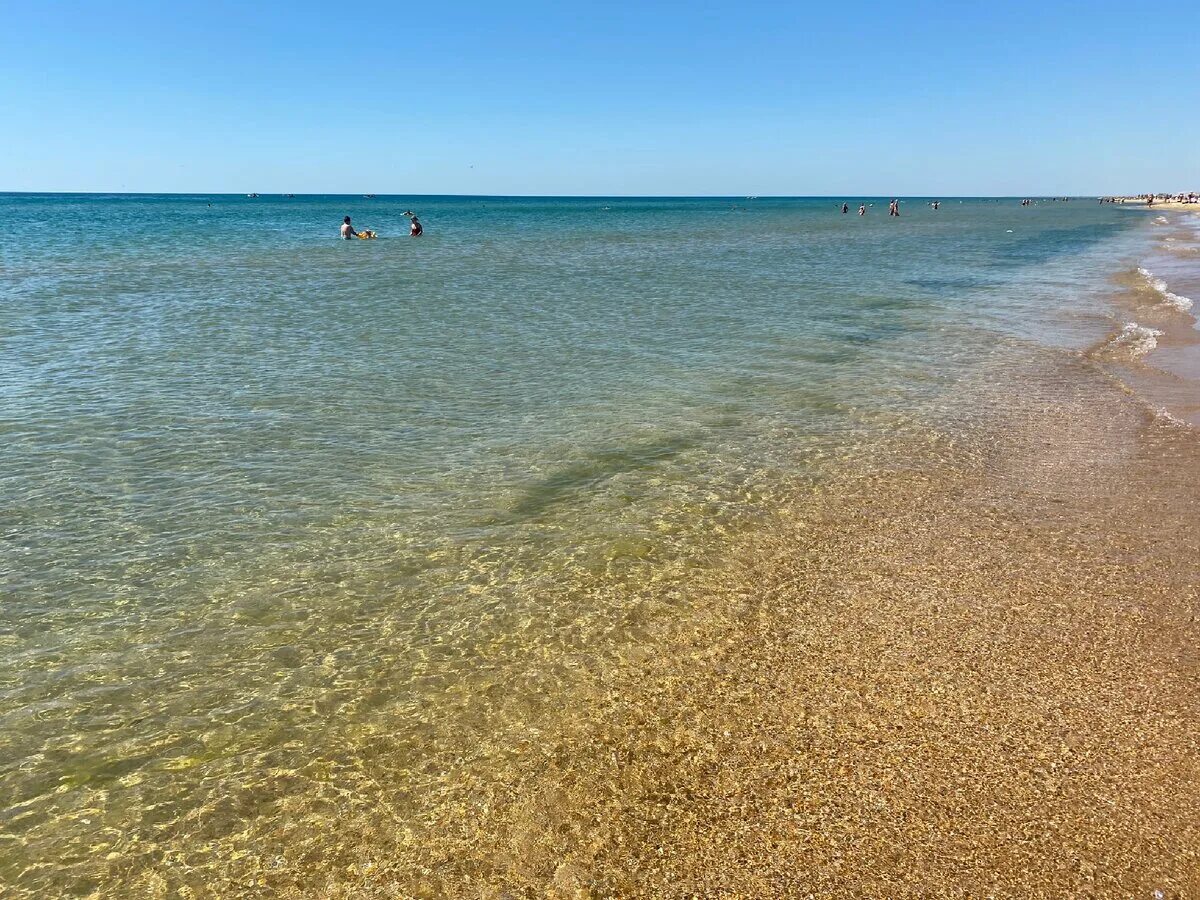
<point x="1157" y="204"/>
<point x="279" y="195"/>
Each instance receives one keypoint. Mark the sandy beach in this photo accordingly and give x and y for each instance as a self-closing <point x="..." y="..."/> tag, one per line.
<point x="968" y="673"/>
<point x="618" y="451"/>
<point x="1159" y="204"/>
<point x="999" y="702"/>
<point x="873" y="573"/>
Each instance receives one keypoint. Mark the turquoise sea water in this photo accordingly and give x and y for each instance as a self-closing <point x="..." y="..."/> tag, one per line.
<point x="270" y="499"/>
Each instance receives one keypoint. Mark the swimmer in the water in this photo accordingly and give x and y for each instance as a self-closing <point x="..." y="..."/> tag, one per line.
<point x="862" y="210"/>
<point x="348" y="229"/>
<point x="415" y="229"/>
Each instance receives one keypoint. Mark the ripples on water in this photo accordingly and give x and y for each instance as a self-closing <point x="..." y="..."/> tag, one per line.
<point x="277" y="510"/>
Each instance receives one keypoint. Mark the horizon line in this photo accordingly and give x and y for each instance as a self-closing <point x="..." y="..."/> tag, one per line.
<point x="360" y="195"/>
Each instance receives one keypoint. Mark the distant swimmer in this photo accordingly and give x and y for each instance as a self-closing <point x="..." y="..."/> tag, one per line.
<point x="348" y="229"/>
<point x="414" y="228"/>
<point x="937" y="203"/>
<point x="862" y="210"/>
<point x="845" y="208"/>
<point x="894" y="208"/>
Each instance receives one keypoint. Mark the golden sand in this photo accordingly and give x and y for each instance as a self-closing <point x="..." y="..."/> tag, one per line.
<point x="1159" y="204"/>
<point x="970" y="672"/>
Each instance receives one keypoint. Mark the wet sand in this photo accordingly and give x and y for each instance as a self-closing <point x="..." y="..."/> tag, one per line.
<point x="1159" y="204"/>
<point x="1169" y="377"/>
<point x="969" y="671"/>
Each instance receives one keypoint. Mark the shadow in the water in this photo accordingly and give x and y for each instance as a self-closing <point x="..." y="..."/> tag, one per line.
<point x="593" y="469"/>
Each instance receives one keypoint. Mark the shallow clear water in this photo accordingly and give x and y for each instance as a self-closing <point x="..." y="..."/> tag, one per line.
<point x="267" y="496"/>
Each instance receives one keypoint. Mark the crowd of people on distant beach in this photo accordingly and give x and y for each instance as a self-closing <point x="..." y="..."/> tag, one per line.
<point x="1150" y="199"/>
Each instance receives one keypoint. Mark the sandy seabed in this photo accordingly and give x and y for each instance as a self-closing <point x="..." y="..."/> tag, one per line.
<point x="969" y="672"/>
<point x="966" y="669"/>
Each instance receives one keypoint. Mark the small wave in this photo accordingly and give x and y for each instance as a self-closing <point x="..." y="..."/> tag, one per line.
<point x="1176" y="246"/>
<point x="1137" y="339"/>
<point x="1161" y="220"/>
<point x="1175" y="301"/>
<point x="1163" y="415"/>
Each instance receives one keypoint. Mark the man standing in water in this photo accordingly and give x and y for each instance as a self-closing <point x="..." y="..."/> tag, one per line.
<point x="348" y="229"/>
<point x="845" y="208"/>
<point x="862" y="210"/>
<point x="894" y="208"/>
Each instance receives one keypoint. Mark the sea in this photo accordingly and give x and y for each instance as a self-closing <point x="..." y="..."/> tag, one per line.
<point x="291" y="527"/>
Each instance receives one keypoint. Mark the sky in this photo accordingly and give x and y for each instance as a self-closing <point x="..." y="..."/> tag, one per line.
<point x="560" y="98"/>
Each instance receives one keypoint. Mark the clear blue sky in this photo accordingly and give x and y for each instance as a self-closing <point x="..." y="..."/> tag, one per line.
<point x="601" y="98"/>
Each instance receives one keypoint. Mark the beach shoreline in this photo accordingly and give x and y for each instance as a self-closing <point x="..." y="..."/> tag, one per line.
<point x="659" y="525"/>
<point x="967" y="672"/>
<point x="964" y="672"/>
<point x="925" y="630"/>
<point x="1155" y="350"/>
<point x="1183" y="205"/>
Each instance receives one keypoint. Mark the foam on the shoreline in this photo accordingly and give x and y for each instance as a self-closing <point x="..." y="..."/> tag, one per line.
<point x="1173" y="300"/>
<point x="1137" y="339"/>
<point x="1163" y="415"/>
